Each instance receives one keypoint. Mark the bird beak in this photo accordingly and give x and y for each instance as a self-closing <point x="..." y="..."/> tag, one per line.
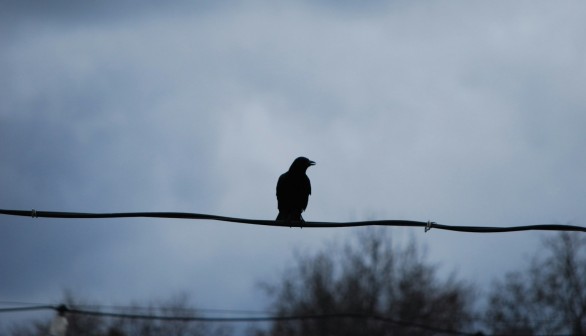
<point x="311" y="163"/>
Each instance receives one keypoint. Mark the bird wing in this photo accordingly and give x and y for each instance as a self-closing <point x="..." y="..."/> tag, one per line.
<point x="305" y="192"/>
<point x="284" y="192"/>
<point x="281" y="186"/>
<point x="293" y="191"/>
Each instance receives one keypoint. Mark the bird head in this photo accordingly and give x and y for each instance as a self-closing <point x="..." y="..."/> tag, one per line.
<point x="301" y="164"/>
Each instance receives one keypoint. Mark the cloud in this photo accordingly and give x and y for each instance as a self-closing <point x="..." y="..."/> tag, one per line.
<point x="464" y="114"/>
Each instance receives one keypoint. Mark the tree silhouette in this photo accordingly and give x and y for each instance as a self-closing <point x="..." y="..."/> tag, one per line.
<point x="549" y="297"/>
<point x="391" y="287"/>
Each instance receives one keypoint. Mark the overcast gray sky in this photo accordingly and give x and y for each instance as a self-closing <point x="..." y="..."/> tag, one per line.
<point x="464" y="113"/>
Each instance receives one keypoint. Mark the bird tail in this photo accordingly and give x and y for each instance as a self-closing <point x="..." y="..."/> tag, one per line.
<point x="296" y="217"/>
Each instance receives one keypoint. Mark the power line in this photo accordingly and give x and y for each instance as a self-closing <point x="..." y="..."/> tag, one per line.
<point x="397" y="223"/>
<point x="21" y="303"/>
<point x="171" y="318"/>
<point x="29" y="308"/>
<point x="183" y="310"/>
<point x="78" y="310"/>
<point x="355" y="316"/>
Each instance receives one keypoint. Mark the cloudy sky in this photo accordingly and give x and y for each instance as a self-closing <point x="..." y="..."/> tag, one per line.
<point x="464" y="113"/>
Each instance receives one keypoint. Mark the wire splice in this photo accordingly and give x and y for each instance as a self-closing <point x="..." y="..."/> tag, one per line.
<point x="428" y="226"/>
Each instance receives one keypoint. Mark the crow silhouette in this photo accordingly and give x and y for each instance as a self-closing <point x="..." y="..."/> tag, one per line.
<point x="293" y="190"/>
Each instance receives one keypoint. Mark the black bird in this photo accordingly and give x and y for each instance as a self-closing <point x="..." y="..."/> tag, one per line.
<point x="293" y="190"/>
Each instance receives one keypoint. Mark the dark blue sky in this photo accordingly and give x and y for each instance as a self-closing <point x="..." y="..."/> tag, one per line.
<point x="461" y="113"/>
